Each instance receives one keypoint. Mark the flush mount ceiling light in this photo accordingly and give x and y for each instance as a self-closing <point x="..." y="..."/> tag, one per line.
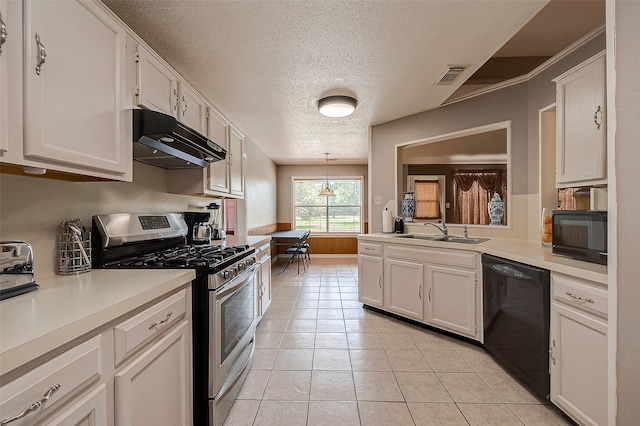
<point x="327" y="191"/>
<point x="337" y="106"/>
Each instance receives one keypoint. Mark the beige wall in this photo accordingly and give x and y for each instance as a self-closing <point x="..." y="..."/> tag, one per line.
<point x="622" y="21"/>
<point x="31" y="208"/>
<point x="519" y="104"/>
<point x="285" y="173"/>
<point x="260" y="187"/>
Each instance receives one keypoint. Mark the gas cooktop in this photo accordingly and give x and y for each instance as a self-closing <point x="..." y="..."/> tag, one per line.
<point x="193" y="256"/>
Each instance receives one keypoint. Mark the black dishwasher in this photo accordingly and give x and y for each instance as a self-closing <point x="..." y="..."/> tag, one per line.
<point x="516" y="319"/>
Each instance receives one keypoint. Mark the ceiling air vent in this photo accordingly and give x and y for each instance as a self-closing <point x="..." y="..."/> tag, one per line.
<point x="450" y="74"/>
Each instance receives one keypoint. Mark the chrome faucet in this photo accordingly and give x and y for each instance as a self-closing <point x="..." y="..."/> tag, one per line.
<point x="442" y="229"/>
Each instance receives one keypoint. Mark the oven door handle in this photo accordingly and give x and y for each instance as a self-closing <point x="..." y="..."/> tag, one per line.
<point x="229" y="384"/>
<point x="224" y="292"/>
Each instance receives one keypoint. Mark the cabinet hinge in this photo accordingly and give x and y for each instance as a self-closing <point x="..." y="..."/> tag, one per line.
<point x="137" y="57"/>
<point x="208" y="113"/>
<point x="476" y="329"/>
<point x="136" y="90"/>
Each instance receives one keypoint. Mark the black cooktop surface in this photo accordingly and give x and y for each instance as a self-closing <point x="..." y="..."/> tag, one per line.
<point x="204" y="257"/>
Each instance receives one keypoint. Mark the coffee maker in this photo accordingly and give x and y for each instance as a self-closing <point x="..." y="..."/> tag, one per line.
<point x="203" y="225"/>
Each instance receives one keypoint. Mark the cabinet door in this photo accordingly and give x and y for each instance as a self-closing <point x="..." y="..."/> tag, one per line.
<point x="154" y="389"/>
<point x="192" y="110"/>
<point x="157" y="87"/>
<point x="264" y="285"/>
<point x="74" y="101"/>
<point x="581" y="128"/>
<point x="451" y="299"/>
<point x="91" y="410"/>
<point x="11" y="33"/>
<point x="579" y="364"/>
<point x="219" y="170"/>
<point x="370" y="280"/>
<point x="404" y="288"/>
<point x="236" y="161"/>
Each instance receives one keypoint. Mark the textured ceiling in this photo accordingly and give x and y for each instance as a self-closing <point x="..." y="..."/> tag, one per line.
<point x="265" y="64"/>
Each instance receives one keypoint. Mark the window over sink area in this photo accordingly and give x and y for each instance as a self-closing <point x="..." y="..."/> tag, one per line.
<point x="339" y="214"/>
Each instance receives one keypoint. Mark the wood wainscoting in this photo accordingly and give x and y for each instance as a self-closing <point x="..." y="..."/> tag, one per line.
<point x="320" y="244"/>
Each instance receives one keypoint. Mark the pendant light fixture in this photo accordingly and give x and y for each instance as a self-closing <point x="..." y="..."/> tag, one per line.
<point x="327" y="191"/>
<point x="337" y="106"/>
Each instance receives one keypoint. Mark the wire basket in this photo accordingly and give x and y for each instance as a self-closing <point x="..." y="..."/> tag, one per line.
<point x="74" y="248"/>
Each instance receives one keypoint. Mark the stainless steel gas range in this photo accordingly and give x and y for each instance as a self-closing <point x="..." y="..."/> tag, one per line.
<point x="224" y="298"/>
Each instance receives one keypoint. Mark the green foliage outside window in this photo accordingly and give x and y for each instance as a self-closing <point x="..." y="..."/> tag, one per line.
<point x="339" y="214"/>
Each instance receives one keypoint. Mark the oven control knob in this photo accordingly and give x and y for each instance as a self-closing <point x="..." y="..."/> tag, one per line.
<point x="226" y="274"/>
<point x="241" y="266"/>
<point x="251" y="261"/>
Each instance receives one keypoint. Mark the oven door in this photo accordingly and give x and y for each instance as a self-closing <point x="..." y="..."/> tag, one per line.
<point x="233" y="320"/>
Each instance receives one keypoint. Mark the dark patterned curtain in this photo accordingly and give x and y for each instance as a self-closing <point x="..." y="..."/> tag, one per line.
<point x="474" y="189"/>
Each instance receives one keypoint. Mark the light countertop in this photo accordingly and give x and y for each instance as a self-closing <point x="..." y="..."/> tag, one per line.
<point x="69" y="306"/>
<point x="529" y="252"/>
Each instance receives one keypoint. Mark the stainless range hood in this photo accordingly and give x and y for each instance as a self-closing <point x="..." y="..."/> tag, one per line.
<point x="161" y="140"/>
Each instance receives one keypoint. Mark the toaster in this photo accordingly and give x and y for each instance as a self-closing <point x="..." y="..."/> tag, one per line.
<point x="16" y="269"/>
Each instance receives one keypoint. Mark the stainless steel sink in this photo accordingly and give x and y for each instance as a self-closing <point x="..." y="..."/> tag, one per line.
<point x="444" y="238"/>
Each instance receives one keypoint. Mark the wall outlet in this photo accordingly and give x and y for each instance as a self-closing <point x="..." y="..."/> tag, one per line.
<point x="447" y="205"/>
<point x="377" y="200"/>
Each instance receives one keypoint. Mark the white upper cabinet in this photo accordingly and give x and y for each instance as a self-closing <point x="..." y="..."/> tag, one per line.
<point x="7" y="32"/>
<point x="581" y="139"/>
<point x="192" y="109"/>
<point x="157" y="85"/>
<point x="159" y="88"/>
<point x="235" y="157"/>
<point x="74" y="85"/>
<point x="219" y="170"/>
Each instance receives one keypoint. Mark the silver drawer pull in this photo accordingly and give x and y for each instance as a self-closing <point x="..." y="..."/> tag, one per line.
<point x="33" y="407"/>
<point x="551" y="350"/>
<point x="42" y="54"/>
<point x="369" y="248"/>
<point x="597" y="118"/>
<point x="580" y="299"/>
<point x="3" y="33"/>
<point x="161" y="321"/>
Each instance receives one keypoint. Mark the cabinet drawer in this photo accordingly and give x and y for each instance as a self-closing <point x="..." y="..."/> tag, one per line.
<point x="263" y="252"/>
<point x="58" y="378"/>
<point x="370" y="248"/>
<point x="133" y="333"/>
<point x="444" y="256"/>
<point x="579" y="293"/>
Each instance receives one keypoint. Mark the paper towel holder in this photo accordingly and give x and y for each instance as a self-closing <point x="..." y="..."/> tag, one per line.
<point x="387" y="221"/>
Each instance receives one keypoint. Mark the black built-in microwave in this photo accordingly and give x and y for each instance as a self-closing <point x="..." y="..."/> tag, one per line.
<point x="580" y="234"/>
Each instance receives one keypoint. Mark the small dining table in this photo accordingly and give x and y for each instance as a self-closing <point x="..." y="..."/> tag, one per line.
<point x="286" y="238"/>
<point x="287" y="235"/>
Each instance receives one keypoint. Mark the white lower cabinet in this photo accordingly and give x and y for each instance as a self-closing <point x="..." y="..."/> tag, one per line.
<point x="578" y="350"/>
<point x="370" y="276"/>
<point x="90" y="410"/>
<point x="52" y="384"/>
<point x="451" y="299"/>
<point x="404" y="288"/>
<point x="264" y="278"/>
<point x="438" y="287"/>
<point x="87" y="384"/>
<point x="153" y="389"/>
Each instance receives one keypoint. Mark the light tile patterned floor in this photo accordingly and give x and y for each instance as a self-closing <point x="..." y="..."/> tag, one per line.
<point x="321" y="359"/>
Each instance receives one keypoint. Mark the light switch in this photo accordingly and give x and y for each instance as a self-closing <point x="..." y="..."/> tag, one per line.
<point x="377" y="200"/>
<point x="447" y="205"/>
